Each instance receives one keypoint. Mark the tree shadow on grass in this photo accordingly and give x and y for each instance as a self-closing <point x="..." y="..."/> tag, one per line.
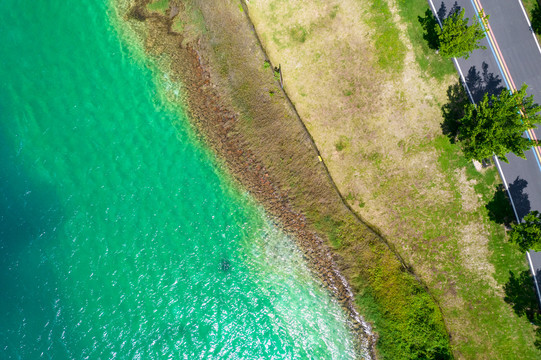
<point x="453" y="111"/>
<point x="499" y="208"/>
<point x="536" y="19"/>
<point x="429" y="24"/>
<point x="520" y="294"/>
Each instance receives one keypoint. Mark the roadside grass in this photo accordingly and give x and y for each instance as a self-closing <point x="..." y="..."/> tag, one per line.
<point x="431" y="63"/>
<point x="504" y="257"/>
<point x="398" y="170"/>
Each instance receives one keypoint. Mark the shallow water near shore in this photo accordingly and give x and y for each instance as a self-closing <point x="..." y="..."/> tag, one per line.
<point x="119" y="235"/>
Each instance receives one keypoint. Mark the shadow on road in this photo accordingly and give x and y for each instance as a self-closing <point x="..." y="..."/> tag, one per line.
<point x="483" y="82"/>
<point x="520" y="198"/>
<point x="443" y="13"/>
<point x="499" y="208"/>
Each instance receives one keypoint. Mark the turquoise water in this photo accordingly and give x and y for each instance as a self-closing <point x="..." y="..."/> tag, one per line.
<point x="119" y="235"/>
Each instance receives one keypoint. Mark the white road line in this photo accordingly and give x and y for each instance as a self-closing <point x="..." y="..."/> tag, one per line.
<point x="506" y="187"/>
<point x="463" y="80"/>
<point x="529" y="24"/>
<point x="534" y="276"/>
<point x="435" y="12"/>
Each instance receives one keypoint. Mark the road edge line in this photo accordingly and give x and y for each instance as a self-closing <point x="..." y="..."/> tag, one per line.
<point x="500" y="171"/>
<point x="534" y="276"/>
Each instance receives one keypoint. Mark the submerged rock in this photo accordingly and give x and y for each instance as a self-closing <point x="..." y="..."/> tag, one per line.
<point x="225" y="264"/>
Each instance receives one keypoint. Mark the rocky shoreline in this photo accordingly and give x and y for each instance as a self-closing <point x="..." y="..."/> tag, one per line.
<point x="218" y="124"/>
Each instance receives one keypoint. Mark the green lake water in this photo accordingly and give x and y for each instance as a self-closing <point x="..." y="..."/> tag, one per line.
<point x="120" y="237"/>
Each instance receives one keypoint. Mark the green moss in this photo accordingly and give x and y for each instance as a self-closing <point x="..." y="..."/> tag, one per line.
<point x="159" y="6"/>
<point x="332" y="228"/>
<point x="178" y="25"/>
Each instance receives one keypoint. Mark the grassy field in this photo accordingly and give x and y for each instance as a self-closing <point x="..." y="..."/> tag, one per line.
<point x="370" y="91"/>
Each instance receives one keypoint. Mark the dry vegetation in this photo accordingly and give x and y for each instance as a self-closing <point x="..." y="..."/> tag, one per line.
<point x="375" y="116"/>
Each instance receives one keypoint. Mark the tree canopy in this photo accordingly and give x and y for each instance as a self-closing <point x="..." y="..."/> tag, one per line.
<point x="458" y="39"/>
<point x="495" y="126"/>
<point x="527" y="234"/>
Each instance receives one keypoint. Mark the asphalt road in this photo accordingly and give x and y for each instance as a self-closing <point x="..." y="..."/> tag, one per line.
<point x="512" y="57"/>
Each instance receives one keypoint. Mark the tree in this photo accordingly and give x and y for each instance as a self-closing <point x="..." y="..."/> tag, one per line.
<point x="495" y="126"/>
<point x="457" y="38"/>
<point x="527" y="234"/>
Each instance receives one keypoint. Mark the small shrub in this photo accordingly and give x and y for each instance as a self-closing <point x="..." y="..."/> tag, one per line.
<point x="277" y="74"/>
<point x="342" y="143"/>
<point x="298" y="33"/>
<point x="178" y="26"/>
<point x="334" y="11"/>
